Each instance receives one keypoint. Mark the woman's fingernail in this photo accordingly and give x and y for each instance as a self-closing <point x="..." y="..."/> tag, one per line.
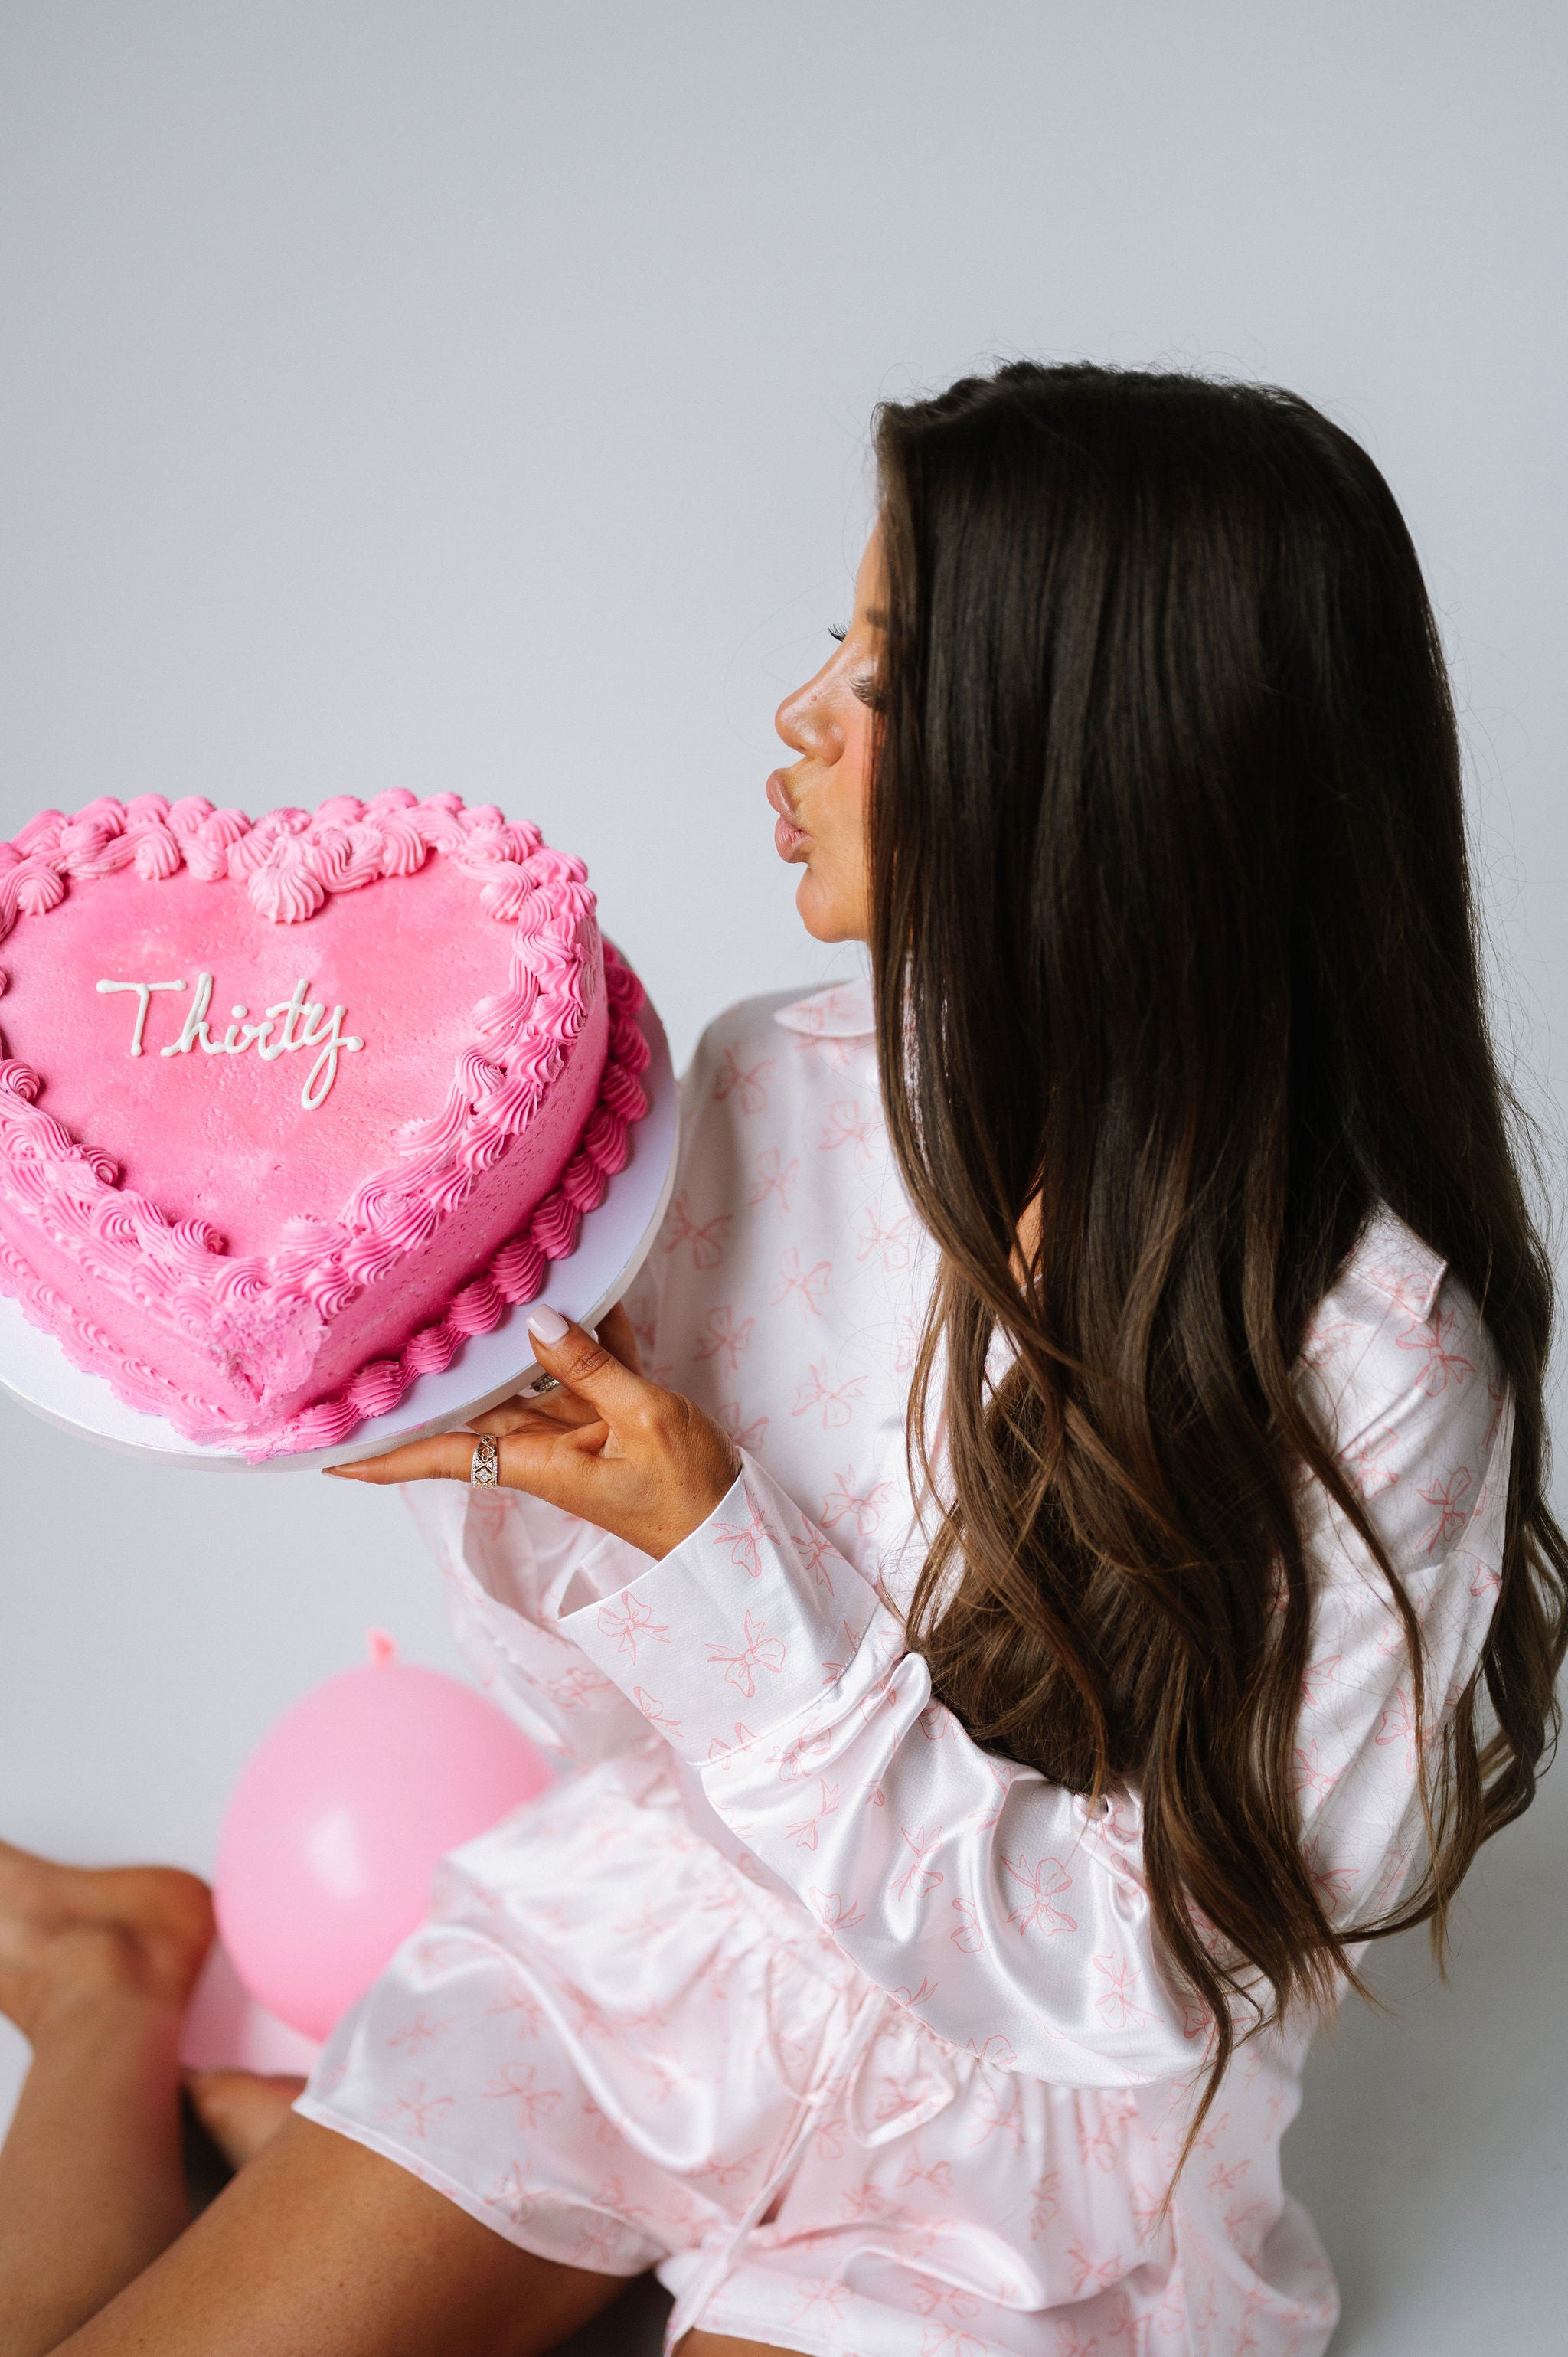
<point x="547" y="1324"/>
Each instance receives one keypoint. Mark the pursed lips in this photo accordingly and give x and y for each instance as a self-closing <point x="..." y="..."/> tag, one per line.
<point x="788" y="835"/>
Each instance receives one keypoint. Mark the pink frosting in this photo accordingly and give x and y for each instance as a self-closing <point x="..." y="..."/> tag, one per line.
<point x="351" y="1273"/>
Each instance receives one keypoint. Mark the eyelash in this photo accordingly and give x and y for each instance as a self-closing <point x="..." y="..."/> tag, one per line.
<point x="864" y="689"/>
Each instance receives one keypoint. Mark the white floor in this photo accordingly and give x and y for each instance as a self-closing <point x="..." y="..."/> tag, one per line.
<point x="1432" y="2144"/>
<point x="153" y="1624"/>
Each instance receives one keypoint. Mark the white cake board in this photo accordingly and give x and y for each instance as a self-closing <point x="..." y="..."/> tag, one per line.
<point x="613" y="1242"/>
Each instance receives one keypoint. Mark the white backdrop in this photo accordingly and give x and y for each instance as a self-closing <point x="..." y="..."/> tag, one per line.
<point x="474" y="395"/>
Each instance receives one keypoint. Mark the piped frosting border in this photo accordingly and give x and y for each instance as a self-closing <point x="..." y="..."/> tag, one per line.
<point x="289" y="861"/>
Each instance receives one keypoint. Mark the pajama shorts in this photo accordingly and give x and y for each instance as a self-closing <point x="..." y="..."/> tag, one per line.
<point x="619" y="2051"/>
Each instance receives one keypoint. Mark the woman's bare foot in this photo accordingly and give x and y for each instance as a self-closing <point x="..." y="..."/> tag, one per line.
<point x="70" y="1934"/>
<point x="240" y="2109"/>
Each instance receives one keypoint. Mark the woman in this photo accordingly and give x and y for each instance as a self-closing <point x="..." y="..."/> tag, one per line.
<point x="1075" y="1567"/>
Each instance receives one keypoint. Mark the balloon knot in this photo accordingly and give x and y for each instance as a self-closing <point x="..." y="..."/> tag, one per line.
<point x="381" y="1648"/>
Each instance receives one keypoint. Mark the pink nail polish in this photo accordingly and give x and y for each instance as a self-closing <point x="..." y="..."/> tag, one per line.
<point x="546" y="1324"/>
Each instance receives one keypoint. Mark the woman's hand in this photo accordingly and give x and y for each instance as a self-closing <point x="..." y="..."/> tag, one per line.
<point x="608" y="1445"/>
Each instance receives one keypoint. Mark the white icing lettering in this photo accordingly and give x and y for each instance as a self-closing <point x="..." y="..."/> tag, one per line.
<point x="301" y="1022"/>
<point x="328" y="1037"/>
<point x="241" y="1035"/>
<point x="291" y="1009"/>
<point x="144" y="991"/>
<point x="195" y="1027"/>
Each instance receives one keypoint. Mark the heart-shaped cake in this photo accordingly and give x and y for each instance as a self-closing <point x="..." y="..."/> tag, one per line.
<point x="288" y="1109"/>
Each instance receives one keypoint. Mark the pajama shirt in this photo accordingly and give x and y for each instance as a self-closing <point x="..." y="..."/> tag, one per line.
<point x="856" y="2033"/>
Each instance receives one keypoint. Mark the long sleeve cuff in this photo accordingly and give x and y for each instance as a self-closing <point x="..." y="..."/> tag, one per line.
<point x="741" y="1627"/>
<point x="507" y="1558"/>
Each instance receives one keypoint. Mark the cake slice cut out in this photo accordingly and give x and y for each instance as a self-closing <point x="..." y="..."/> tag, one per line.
<point x="288" y="1109"/>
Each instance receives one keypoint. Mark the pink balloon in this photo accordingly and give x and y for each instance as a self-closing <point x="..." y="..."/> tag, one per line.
<point x="339" y="1819"/>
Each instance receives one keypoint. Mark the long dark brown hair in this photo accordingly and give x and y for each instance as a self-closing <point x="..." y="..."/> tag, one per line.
<point x="1177" y="978"/>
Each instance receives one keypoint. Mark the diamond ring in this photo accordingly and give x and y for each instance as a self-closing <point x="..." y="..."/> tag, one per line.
<point x="487" y="1466"/>
<point x="543" y="1384"/>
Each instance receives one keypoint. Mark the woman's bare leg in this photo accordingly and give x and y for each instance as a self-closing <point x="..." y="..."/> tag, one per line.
<point x="323" y="2249"/>
<point x="240" y="2110"/>
<point x="318" y="2248"/>
<point x="95" y="1970"/>
<point x="719" y="2344"/>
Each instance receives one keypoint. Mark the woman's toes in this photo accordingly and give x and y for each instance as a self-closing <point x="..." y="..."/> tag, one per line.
<point x="169" y="1915"/>
<point x="69" y="1932"/>
<point x="239" y="2109"/>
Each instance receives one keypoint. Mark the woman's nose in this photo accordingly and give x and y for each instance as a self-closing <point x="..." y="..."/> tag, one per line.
<point x="805" y="722"/>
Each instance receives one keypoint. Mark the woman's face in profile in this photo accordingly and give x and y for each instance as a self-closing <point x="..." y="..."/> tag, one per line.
<point x="821" y="797"/>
